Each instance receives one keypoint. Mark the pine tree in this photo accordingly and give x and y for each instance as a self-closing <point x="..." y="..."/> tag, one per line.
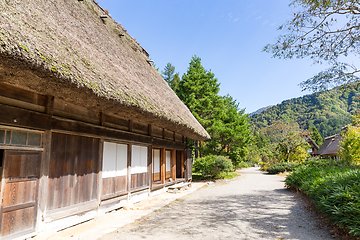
<point x="198" y="89"/>
<point x="170" y="76"/>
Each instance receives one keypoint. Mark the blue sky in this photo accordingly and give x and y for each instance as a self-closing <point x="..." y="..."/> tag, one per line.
<point x="228" y="35"/>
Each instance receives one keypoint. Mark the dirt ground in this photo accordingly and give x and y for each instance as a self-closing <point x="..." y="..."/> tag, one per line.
<point x="254" y="206"/>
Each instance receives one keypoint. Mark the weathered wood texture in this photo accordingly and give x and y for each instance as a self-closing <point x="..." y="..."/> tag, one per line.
<point x="19" y="192"/>
<point x="162" y="165"/>
<point x="179" y="164"/>
<point x="44" y="106"/>
<point x="188" y="166"/>
<point x="139" y="180"/>
<point x="113" y="186"/>
<point x="173" y="164"/>
<point x="74" y="170"/>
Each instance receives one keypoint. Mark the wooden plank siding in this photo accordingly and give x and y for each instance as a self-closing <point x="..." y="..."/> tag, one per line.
<point x="19" y="192"/>
<point x="74" y="170"/>
<point x="139" y="180"/>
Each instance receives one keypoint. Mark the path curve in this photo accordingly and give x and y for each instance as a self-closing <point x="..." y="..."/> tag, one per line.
<point x="254" y="206"/>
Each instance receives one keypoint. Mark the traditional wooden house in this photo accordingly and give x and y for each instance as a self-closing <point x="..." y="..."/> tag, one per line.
<point x="330" y="147"/>
<point x="86" y="122"/>
<point x="313" y="145"/>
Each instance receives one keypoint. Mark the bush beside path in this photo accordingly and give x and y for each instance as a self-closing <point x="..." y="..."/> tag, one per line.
<point x="253" y="206"/>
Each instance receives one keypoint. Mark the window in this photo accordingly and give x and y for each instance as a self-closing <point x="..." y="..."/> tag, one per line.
<point x="114" y="160"/>
<point x="20" y="138"/>
<point x="168" y="161"/>
<point x="139" y="159"/>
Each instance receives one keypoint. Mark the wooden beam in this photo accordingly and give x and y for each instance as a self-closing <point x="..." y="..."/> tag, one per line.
<point x="173" y="164"/>
<point x="130" y="125"/>
<point x="168" y="144"/>
<point x="24" y="95"/>
<point x="100" y="164"/>
<point x="102" y="119"/>
<point x="49" y="107"/>
<point x="150" y="130"/>
<point x="128" y="187"/>
<point x="162" y="165"/>
<point x="20" y="117"/>
<point x="150" y="166"/>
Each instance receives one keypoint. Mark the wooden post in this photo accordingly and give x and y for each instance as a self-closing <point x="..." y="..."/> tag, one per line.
<point x="128" y="188"/>
<point x="182" y="163"/>
<point x="150" y="166"/>
<point x="44" y="181"/>
<point x="100" y="162"/>
<point x="162" y="165"/>
<point x="49" y="104"/>
<point x="173" y="164"/>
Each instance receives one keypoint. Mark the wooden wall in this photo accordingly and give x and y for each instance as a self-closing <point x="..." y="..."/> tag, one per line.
<point x="74" y="170"/>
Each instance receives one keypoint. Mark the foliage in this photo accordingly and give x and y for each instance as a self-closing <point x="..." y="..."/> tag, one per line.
<point x="281" y="167"/>
<point x="315" y="135"/>
<point x="289" y="140"/>
<point x="211" y="165"/>
<point x="350" y="144"/>
<point x="323" y="30"/>
<point x="170" y="76"/>
<point x="198" y="89"/>
<point x="227" y="125"/>
<point x="226" y="175"/>
<point x="334" y="186"/>
<point x="328" y="111"/>
<point x="245" y="165"/>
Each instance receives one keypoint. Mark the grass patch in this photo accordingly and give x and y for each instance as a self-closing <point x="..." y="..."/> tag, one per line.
<point x="334" y="186"/>
<point x="221" y="175"/>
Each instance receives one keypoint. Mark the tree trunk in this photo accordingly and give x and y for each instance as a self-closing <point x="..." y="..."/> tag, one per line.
<point x="288" y="156"/>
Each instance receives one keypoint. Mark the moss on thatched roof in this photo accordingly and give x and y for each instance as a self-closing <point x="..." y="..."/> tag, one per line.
<point x="71" y="40"/>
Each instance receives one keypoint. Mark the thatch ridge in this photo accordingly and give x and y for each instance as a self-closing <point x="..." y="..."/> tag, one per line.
<point x="68" y="39"/>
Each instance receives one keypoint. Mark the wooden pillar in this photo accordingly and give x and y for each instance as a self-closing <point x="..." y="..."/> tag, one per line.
<point x="100" y="162"/>
<point x="162" y="165"/>
<point x="44" y="181"/>
<point x="128" y="188"/>
<point x="150" y="163"/>
<point x="182" y="163"/>
<point x="173" y="164"/>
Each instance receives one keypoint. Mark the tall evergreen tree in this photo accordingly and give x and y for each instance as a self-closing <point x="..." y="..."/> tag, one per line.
<point x="199" y="89"/>
<point x="170" y="76"/>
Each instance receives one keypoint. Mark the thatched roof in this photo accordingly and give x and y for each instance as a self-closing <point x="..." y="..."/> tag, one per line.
<point x="78" y="43"/>
<point x="330" y="146"/>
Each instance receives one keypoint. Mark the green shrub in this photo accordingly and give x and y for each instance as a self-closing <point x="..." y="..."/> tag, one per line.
<point x="210" y="166"/>
<point x="281" y="167"/>
<point x="334" y="186"/>
<point x="245" y="165"/>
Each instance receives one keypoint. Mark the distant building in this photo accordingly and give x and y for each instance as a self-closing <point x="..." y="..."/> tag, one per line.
<point x="330" y="146"/>
<point x="313" y="145"/>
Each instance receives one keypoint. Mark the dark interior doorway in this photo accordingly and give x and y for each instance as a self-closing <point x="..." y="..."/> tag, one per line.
<point x="1" y="163"/>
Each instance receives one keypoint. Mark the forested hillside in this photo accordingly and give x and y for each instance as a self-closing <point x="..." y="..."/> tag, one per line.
<point x="328" y="111"/>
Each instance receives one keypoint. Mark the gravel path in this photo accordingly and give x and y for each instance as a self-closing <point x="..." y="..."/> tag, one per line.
<point x="254" y="206"/>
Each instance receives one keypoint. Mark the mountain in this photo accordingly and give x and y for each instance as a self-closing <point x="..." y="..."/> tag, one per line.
<point x="328" y="111"/>
<point x="260" y="110"/>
